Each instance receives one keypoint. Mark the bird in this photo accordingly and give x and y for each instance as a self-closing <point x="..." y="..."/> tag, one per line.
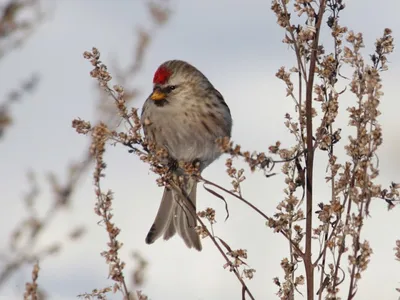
<point x="185" y="115"/>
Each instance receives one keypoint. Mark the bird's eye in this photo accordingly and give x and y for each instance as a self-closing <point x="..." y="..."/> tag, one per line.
<point x="171" y="87"/>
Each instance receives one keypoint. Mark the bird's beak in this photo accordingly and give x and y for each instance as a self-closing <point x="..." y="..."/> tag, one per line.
<point x="157" y="95"/>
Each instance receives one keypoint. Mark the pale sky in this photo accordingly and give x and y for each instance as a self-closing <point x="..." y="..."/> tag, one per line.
<point x="237" y="45"/>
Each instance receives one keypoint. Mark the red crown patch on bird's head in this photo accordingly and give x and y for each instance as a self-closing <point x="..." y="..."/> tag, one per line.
<point x="161" y="75"/>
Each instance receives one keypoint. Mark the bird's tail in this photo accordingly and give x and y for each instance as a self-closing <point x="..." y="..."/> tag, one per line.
<point x="177" y="215"/>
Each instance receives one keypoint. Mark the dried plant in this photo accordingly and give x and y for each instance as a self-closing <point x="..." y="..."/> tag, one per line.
<point x="397" y="255"/>
<point x="31" y="288"/>
<point x="23" y="245"/>
<point x="333" y="226"/>
<point x="102" y="133"/>
<point x="319" y="74"/>
<point x="15" y="31"/>
<point x="26" y="236"/>
<point x="134" y="140"/>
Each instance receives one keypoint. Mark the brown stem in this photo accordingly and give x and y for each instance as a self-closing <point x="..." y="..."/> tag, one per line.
<point x="342" y="245"/>
<point x="300" y="105"/>
<point x="289" y="28"/>
<point x="310" y="156"/>
<point x="322" y="253"/>
<point x="360" y="215"/>
<point x="112" y="239"/>
<point x="327" y="231"/>
<point x="292" y="287"/>
<point x="347" y="198"/>
<point x="188" y="201"/>
<point x="356" y="246"/>
<point x="284" y="233"/>
<point x="244" y="286"/>
<point x="321" y="279"/>
<point x="237" y="196"/>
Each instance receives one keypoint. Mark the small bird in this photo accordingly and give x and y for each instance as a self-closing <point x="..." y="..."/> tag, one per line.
<point x="184" y="115"/>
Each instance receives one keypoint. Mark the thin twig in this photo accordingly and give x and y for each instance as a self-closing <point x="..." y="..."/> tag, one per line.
<point x="188" y="201"/>
<point x="285" y="234"/>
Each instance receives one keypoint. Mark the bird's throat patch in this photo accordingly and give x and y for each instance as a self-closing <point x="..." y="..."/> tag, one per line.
<point x="160" y="103"/>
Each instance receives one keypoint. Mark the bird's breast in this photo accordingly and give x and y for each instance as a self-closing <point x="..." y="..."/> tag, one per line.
<point x="186" y="135"/>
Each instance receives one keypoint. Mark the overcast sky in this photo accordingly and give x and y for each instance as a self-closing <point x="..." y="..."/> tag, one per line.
<point x="237" y="45"/>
